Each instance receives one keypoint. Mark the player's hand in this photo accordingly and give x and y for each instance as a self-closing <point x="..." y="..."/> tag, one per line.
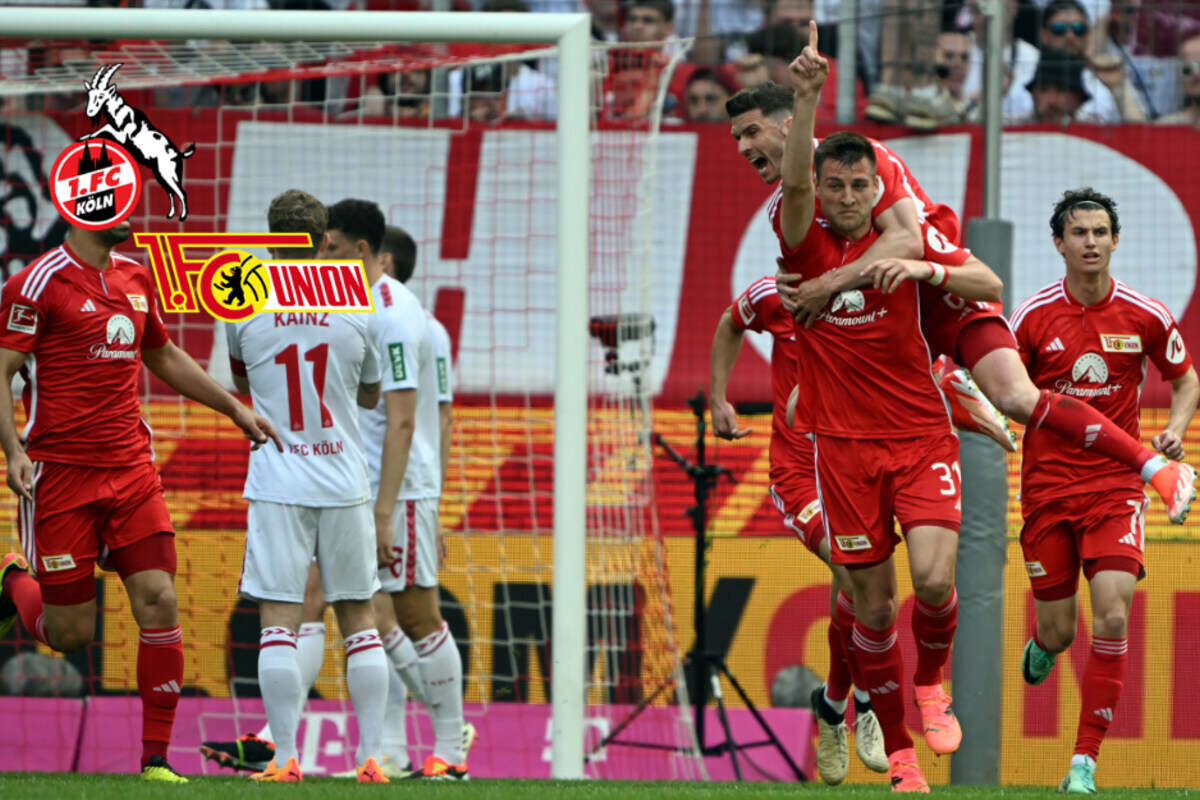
<point x="785" y="285"/>
<point x="793" y="399"/>
<point x="888" y="273"/>
<point x="725" y="422"/>
<point x="809" y="70"/>
<point x="20" y="475"/>
<point x="1166" y="443"/>
<point x="383" y="538"/>
<point x="256" y="428"/>
<point x="441" y="546"/>
<point x="811" y="298"/>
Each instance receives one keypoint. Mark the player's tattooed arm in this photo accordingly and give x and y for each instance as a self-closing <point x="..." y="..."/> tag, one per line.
<point x="1185" y="392"/>
<point x="727" y="343"/>
<point x="180" y="371"/>
<point x="20" y="468"/>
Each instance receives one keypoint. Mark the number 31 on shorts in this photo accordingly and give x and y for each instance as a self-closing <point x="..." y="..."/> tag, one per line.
<point x="951" y="477"/>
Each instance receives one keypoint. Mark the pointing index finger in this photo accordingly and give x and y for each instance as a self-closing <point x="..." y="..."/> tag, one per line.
<point x="812" y="35"/>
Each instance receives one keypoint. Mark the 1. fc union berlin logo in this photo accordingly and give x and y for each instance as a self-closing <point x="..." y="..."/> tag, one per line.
<point x="95" y="184"/>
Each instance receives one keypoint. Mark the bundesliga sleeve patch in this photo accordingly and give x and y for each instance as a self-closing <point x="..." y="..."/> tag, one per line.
<point x="22" y="319"/>
<point x="1175" y="349"/>
<point x="396" y="354"/>
<point x="745" y="309"/>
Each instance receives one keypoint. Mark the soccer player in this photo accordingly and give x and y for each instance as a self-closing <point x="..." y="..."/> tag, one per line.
<point x="404" y="457"/>
<point x="1090" y="335"/>
<point x="311" y="499"/>
<point x="79" y="323"/>
<point x="864" y="353"/>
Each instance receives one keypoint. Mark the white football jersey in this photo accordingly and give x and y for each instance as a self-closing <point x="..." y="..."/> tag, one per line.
<point x="441" y="352"/>
<point x="304" y="370"/>
<point x="405" y="348"/>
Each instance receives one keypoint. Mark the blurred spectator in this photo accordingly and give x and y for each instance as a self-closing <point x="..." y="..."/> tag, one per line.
<point x="1189" y="71"/>
<point x="750" y="70"/>
<point x="1057" y="90"/>
<point x="606" y="19"/>
<point x="908" y="91"/>
<point x="796" y="13"/>
<point x="483" y="87"/>
<point x="953" y="57"/>
<point x="773" y="48"/>
<point x="1143" y="37"/>
<point x="710" y="21"/>
<point x="1065" y="27"/>
<point x="705" y="95"/>
<point x="631" y="83"/>
<point x="648" y="21"/>
<point x="1020" y="64"/>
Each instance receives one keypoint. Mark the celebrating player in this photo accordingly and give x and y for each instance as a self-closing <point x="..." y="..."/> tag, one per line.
<point x="867" y="352"/>
<point x="1089" y="335"/>
<point x="78" y="323"/>
<point x="311" y="499"/>
<point x="404" y="457"/>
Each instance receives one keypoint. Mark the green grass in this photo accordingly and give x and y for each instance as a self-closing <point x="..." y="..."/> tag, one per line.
<point x="129" y="787"/>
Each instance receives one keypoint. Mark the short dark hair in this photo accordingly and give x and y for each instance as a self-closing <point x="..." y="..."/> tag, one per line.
<point x="1086" y="199"/>
<point x="664" y="7"/>
<point x="769" y="98"/>
<point x="295" y="211"/>
<point x="1055" y="7"/>
<point x="404" y="252"/>
<point x="844" y="147"/>
<point x="358" y="219"/>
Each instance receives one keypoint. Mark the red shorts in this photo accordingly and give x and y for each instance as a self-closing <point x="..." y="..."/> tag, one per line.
<point x="965" y="330"/>
<point x="79" y="514"/>
<point x="1098" y="531"/>
<point x="794" y="492"/>
<point x="864" y="483"/>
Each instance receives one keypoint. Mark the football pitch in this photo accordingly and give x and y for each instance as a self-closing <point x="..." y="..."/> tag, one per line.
<point x="130" y="787"/>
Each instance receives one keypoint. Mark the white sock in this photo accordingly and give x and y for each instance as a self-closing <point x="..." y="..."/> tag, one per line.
<point x="367" y="671"/>
<point x="861" y="695"/>
<point x="441" y="672"/>
<point x="1151" y="467"/>
<point x="1083" y="758"/>
<point x="310" y="652"/>
<point x="279" y="682"/>
<point x="395" y="731"/>
<point x="403" y="656"/>
<point x="837" y="705"/>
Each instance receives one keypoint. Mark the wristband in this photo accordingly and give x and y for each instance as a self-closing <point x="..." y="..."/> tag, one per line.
<point x="939" y="276"/>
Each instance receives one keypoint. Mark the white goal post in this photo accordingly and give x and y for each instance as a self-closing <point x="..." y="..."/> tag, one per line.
<point x="571" y="33"/>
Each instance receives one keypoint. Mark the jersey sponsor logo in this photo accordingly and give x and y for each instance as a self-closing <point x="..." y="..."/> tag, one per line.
<point x="1035" y="569"/>
<point x="22" y="318"/>
<point x="745" y="309"/>
<point x="234" y="285"/>
<point x="850" y="543"/>
<point x="57" y="563"/>
<point x="1120" y="343"/>
<point x="120" y="334"/>
<point x="1088" y="368"/>
<point x="850" y="302"/>
<point x="1176" y="352"/>
<point x="809" y="511"/>
<point x="443" y="376"/>
<point x="138" y="303"/>
<point x="95" y="185"/>
<point x="396" y="354"/>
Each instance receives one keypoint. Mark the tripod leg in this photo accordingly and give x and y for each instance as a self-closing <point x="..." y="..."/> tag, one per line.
<point x="625" y="723"/>
<point x="762" y="722"/>
<point x="730" y="744"/>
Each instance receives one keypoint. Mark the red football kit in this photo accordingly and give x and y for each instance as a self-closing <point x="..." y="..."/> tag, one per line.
<point x="792" y="473"/>
<point x="884" y="444"/>
<point x="1080" y="507"/>
<point x="95" y="487"/>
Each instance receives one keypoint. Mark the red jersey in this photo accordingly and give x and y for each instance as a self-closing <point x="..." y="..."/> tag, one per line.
<point x="1096" y="354"/>
<point x="84" y="330"/>
<point x="943" y="314"/>
<point x="864" y="363"/>
<point x="759" y="309"/>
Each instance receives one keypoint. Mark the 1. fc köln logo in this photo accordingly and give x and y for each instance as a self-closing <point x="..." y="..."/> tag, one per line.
<point x="95" y="184"/>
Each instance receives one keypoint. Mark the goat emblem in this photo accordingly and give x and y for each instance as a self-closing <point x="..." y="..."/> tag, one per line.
<point x="130" y="127"/>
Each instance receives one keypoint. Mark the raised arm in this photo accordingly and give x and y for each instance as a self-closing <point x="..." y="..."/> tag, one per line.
<point x="727" y="343"/>
<point x="808" y="73"/>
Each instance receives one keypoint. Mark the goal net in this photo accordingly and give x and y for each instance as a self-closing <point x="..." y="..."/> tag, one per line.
<point x="457" y="145"/>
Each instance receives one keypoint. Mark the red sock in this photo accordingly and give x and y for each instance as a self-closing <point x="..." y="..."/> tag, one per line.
<point x="1086" y="428"/>
<point x="933" y="630"/>
<point x="879" y="659"/>
<point x="1103" y="678"/>
<point x="837" y="684"/>
<point x="845" y="620"/>
<point x="26" y="595"/>
<point x="159" y="677"/>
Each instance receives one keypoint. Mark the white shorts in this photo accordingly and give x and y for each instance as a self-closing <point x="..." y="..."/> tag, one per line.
<point x="414" y="547"/>
<point x="282" y="540"/>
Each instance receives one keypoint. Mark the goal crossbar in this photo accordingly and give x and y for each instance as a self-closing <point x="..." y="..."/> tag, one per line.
<point x="571" y="33"/>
